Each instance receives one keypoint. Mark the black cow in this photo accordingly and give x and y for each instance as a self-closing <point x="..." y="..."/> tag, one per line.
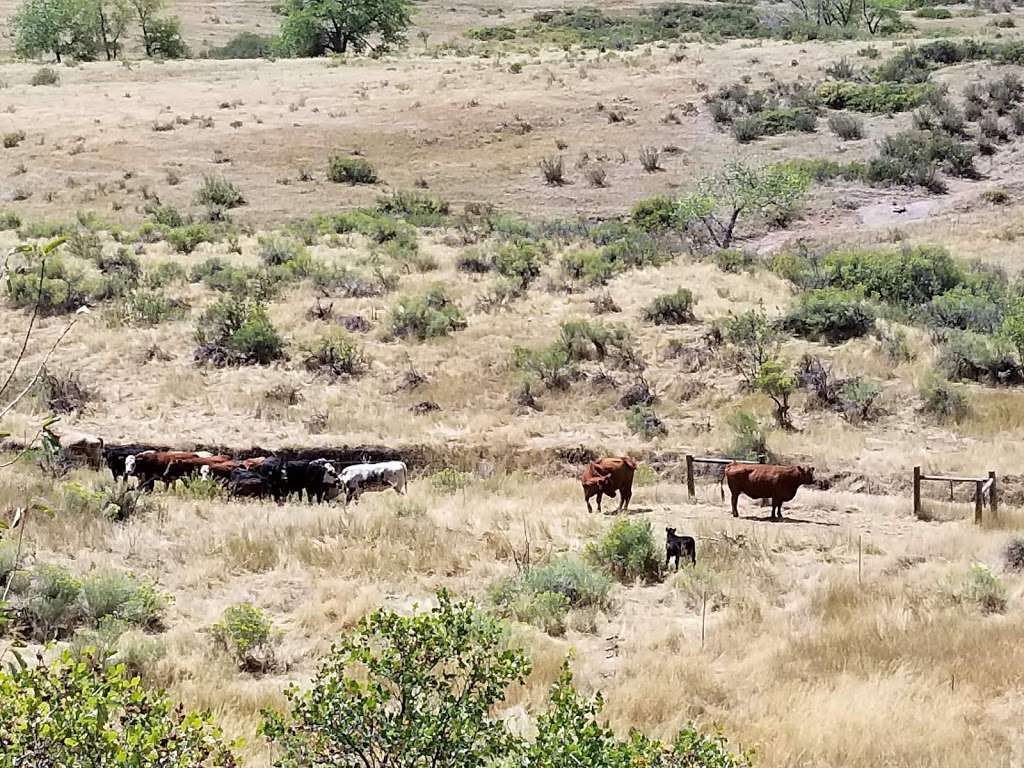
<point x="317" y="478"/>
<point x="679" y="546"/>
<point x="272" y="472"/>
<point x="248" y="484"/>
<point x="116" y="455"/>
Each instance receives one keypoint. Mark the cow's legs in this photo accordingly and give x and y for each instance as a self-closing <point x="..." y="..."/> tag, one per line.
<point x="586" y="498"/>
<point x="625" y="495"/>
<point x="735" y="502"/>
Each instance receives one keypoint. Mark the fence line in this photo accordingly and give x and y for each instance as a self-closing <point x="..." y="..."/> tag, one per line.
<point x="691" y="487"/>
<point x="983" y="486"/>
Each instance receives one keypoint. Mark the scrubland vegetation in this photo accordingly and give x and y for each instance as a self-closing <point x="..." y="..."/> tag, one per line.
<point x="503" y="242"/>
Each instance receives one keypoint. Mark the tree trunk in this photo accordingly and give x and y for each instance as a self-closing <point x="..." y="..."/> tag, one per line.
<point x="729" y="228"/>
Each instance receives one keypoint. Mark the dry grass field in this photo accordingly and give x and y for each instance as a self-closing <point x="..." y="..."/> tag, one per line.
<point x="851" y="634"/>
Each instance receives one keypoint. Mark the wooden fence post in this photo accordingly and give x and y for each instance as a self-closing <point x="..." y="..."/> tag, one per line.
<point x="917" y="492"/>
<point x="690" y="489"/>
<point x="993" y="497"/>
<point x="978" y="501"/>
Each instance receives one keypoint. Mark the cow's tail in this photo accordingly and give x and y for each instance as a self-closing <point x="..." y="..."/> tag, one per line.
<point x="721" y="486"/>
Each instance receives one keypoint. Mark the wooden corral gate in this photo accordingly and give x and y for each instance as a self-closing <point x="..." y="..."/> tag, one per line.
<point x="983" y="486"/>
<point x="691" y="488"/>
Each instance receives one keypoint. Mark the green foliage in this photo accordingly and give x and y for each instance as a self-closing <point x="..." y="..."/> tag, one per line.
<point x="643" y="421"/>
<point x="961" y="308"/>
<point x="278" y="251"/>
<point x="671" y="308"/>
<point x="162" y="37"/>
<point x="984" y="588"/>
<point x="628" y="552"/>
<point x="753" y="340"/>
<point x="551" y="365"/>
<point x="1012" y="328"/>
<point x="908" y="277"/>
<point x="942" y="399"/>
<point x="417" y="208"/>
<point x="145" y="309"/>
<point x="245" y="632"/>
<point x="449" y="480"/>
<point x="427" y="315"/>
<point x="241" y="330"/>
<point x="915" y="157"/>
<point x="337" y="355"/>
<point x="63" y="287"/>
<point x="772" y="122"/>
<point x="65" y="28"/>
<point x="45" y="76"/>
<point x="877" y="98"/>
<point x="779" y="384"/>
<point x="342" y="169"/>
<point x="542" y="595"/>
<point x="969" y="356"/>
<point x="53" y="604"/>
<point x="857" y="397"/>
<point x="933" y="12"/>
<point x="405" y="691"/>
<point x="653" y="214"/>
<point x="749" y="437"/>
<point x="115" y="595"/>
<point x="846" y="126"/>
<point x="216" y="192"/>
<point x="71" y="713"/>
<point x="829" y="314"/>
<point x="9" y="220"/>
<point x="313" y="28"/>
<point x="187" y="238"/>
<point x="245" y="45"/>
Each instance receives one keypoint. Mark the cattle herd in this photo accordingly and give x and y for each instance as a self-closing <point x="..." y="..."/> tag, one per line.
<point x="321" y="481"/>
<point x="317" y="480"/>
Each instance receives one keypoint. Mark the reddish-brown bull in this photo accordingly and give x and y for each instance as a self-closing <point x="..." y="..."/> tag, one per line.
<point x="150" y="466"/>
<point x="606" y="477"/>
<point x="766" y="481"/>
<point x="188" y="467"/>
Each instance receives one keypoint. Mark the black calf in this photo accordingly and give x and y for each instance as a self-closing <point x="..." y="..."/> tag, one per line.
<point x="679" y="546"/>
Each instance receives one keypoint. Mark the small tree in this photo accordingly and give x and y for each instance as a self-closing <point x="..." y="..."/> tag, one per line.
<point x="754" y="340"/>
<point x="112" y="19"/>
<point x="1013" y="329"/>
<point x="779" y="384"/>
<point x="75" y="713"/>
<point x="61" y="27"/>
<point x="772" y="192"/>
<point x="160" y="36"/>
<point x="404" y="692"/>
<point x="316" y="27"/>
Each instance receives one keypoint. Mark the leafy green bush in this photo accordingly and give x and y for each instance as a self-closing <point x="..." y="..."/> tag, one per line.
<point x="450" y="480"/>
<point x="245" y="632"/>
<point x="749" y="437"/>
<point x="245" y="45"/>
<point x="111" y="594"/>
<point x="417" y="208"/>
<point x="653" y="214"/>
<point x="643" y="421"/>
<point x="878" y="98"/>
<point x="942" y="399"/>
<point x="187" y="238"/>
<point x="147" y="309"/>
<point x="846" y="126"/>
<point x="580" y="584"/>
<point x="519" y="262"/>
<point x="162" y="38"/>
<point x="753" y="339"/>
<point x="933" y="12"/>
<point x="45" y="76"/>
<point x="218" y="192"/>
<point x="914" y="158"/>
<point x="829" y="315"/>
<point x="53" y="605"/>
<point x="908" y="277"/>
<point x="63" y="289"/>
<point x="451" y="666"/>
<point x="969" y="356"/>
<point x="857" y="399"/>
<point x="68" y="713"/>
<point x="551" y="365"/>
<point x="342" y="169"/>
<point x="337" y="355"/>
<point x="9" y="220"/>
<point x="277" y="251"/>
<point x="594" y="340"/>
<point x="628" y="552"/>
<point x="426" y="316"/>
<point x="671" y="308"/>
<point x="983" y="587"/>
<point x="748" y="128"/>
<point x="960" y="307"/>
<point x="240" y="332"/>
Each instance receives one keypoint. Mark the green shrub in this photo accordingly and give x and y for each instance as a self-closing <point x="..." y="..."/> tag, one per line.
<point x="450" y="480"/>
<point x="245" y="45"/>
<point x="671" y="308"/>
<point x="147" y="309"/>
<point x="961" y="308"/>
<point x="426" y="316"/>
<point x="878" y="98"/>
<point x="337" y="355"/>
<point x="545" y="610"/>
<point x="342" y="169"/>
<point x="830" y="315"/>
<point x="44" y="230"/>
<point x="120" y="596"/>
<point x="983" y="587"/>
<point x="857" y="399"/>
<point x="753" y="339"/>
<point x="969" y="356"/>
<point x="53" y="605"/>
<point x="164" y="274"/>
<point x="580" y="584"/>
<point x="11" y="140"/>
<point x="942" y="399"/>
<point x="163" y="39"/>
<point x="732" y="260"/>
<point x="165" y="215"/>
<point x="595" y="340"/>
<point x="68" y="713"/>
<point x="643" y="421"/>
<point x="520" y="262"/>
<point x="245" y="632"/>
<point x="628" y="552"/>
<point x="593" y="267"/>
<point x="417" y="208"/>
<point x="450" y="665"/>
<point x="45" y="76"/>
<point x="277" y="251"/>
<point x="63" y="289"/>
<point x="933" y="12"/>
<point x="218" y="192"/>
<point x="550" y="364"/>
<point x="908" y="277"/>
<point x="240" y="331"/>
<point x="9" y="220"/>
<point x="747" y="129"/>
<point x="187" y="238"/>
<point x="914" y="157"/>
<point x="653" y="214"/>
<point x="749" y="437"/>
<point x="846" y="126"/>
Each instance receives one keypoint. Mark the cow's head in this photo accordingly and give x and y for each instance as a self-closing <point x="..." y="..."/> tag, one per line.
<point x="806" y="474"/>
<point x="129" y="465"/>
<point x="204" y="472"/>
<point x="330" y="474"/>
<point x="670" y="533"/>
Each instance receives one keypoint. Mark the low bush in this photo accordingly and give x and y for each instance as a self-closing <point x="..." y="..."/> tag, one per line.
<point x="831" y="315"/>
<point x="450" y="480"/>
<point x="943" y="400"/>
<point x="913" y="158"/>
<point x="187" y="238"/>
<point x="857" y="399"/>
<point x="551" y="365"/>
<point x="963" y="309"/>
<point x="417" y="208"/>
<point x="278" y="251"/>
<point x="552" y="169"/>
<point x="64" y="287"/>
<point x="628" y="552"/>
<point x="643" y="421"/>
<point x="520" y="262"/>
<point x="245" y="45"/>
<point x="1013" y="554"/>
<point x="236" y="330"/>
<point x="846" y="126"/>
<point x="876" y="98"/>
<point x="338" y="356"/>
<point x="53" y="605"/>
<point x="9" y="220"/>
<point x="426" y="316"/>
<point x="585" y="339"/>
<point x="109" y="594"/>
<point x="749" y="437"/>
<point x="218" y="192"/>
<point x="13" y="139"/>
<point x="245" y="632"/>
<point x="906" y="277"/>
<point x="671" y="308"/>
<point x="342" y="169"/>
<point x="933" y="12"/>
<point x="984" y="588"/>
<point x="45" y="76"/>
<point x="145" y="309"/>
<point x="545" y="592"/>
<point x="969" y="356"/>
<point x="654" y="214"/>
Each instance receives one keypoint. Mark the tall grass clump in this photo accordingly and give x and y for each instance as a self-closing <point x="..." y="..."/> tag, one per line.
<point x="627" y="552"/>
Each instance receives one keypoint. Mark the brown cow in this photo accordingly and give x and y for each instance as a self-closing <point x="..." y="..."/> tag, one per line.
<point x="766" y="481"/>
<point x="191" y="466"/>
<point x="150" y="466"/>
<point x="606" y="477"/>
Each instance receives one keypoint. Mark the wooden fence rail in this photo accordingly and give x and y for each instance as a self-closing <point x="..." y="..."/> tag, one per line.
<point x="983" y="486"/>
<point x="691" y="488"/>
